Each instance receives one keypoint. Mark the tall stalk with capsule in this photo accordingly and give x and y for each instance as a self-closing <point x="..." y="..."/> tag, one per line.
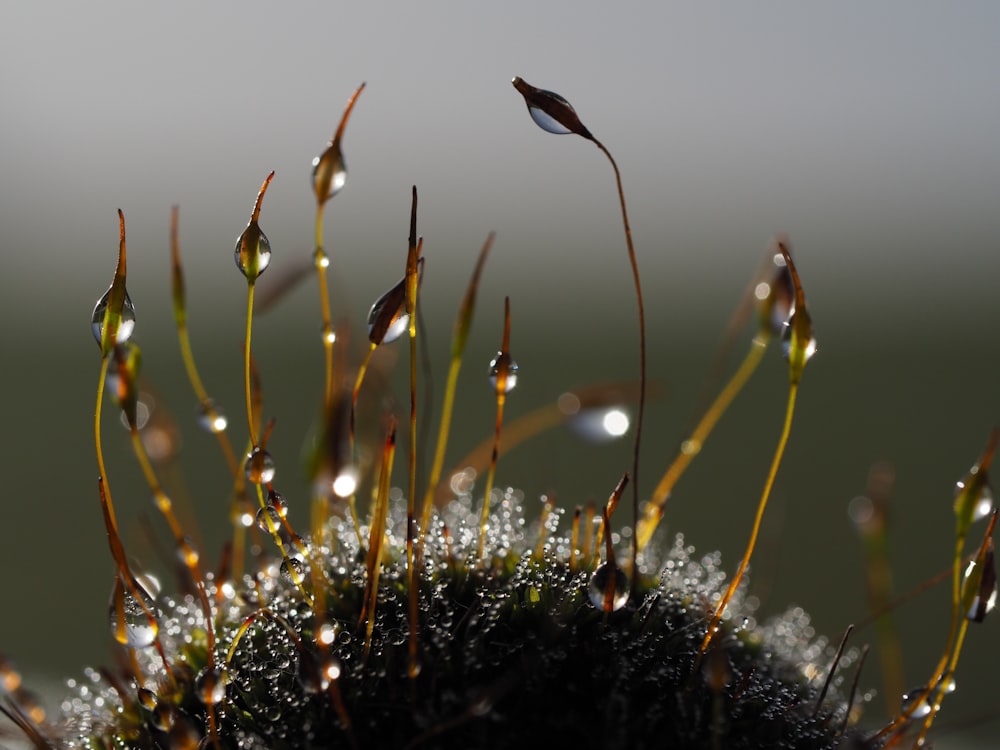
<point x="798" y="346"/>
<point x="554" y="114"/>
<point x="329" y="177"/>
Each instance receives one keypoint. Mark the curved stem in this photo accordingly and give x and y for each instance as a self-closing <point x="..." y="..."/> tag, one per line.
<point x="642" y="358"/>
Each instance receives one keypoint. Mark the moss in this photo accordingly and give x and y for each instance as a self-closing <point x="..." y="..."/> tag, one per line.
<point x="462" y="627"/>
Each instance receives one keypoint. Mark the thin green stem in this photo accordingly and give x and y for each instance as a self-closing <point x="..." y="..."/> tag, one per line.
<point x="251" y="422"/>
<point x="775" y="463"/>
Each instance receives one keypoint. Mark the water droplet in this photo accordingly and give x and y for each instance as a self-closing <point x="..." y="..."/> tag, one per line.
<point x="187" y="554"/>
<point x="551" y="112"/>
<point x="210" y="686"/>
<point x="346" y="483"/>
<point x="331" y="669"/>
<point x="547" y="122"/>
<point x="125" y="327"/>
<point x="253" y="252"/>
<point x="777" y="297"/>
<point x="10" y="678"/>
<point x="163" y="716"/>
<point x="293" y="570"/>
<point x="259" y="466"/>
<point x="503" y="368"/>
<point x="600" y="582"/>
<point x="147" y="699"/>
<point x="326" y="635"/>
<point x="982" y="505"/>
<point x="277" y="500"/>
<point x="268" y="519"/>
<point x="320" y="259"/>
<point x="601" y="425"/>
<point x="786" y="341"/>
<point x="550" y="100"/>
<point x="691" y="447"/>
<point x="210" y="417"/>
<point x="917" y="700"/>
<point x="387" y="319"/>
<point x="316" y="677"/>
<point x="861" y="511"/>
<point x="329" y="172"/>
<point x="133" y="622"/>
<point x="980" y="573"/>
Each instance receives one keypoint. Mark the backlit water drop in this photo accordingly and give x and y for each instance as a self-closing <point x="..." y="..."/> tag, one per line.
<point x="601" y="425"/>
<point x="345" y="483"/>
<point x="786" y="341"/>
<point x="503" y="365"/>
<point x="387" y="318"/>
<point x="210" y="686"/>
<point x="329" y="173"/>
<point x="547" y="122"/>
<point x="125" y="327"/>
<point x="917" y="700"/>
<point x="211" y="418"/>
<point x="253" y="251"/>
<point x="259" y="466"/>
<point x="293" y="570"/>
<point x="268" y="519"/>
<point x="133" y="623"/>
<point x="983" y="503"/>
<point x="600" y="582"/>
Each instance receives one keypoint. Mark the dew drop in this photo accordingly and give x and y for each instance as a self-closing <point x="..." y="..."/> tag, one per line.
<point x="983" y="504"/>
<point x="163" y="716"/>
<point x="268" y="519"/>
<point x="210" y="417"/>
<point x="293" y="570"/>
<point x="917" y="700"/>
<point x="599" y="585"/>
<point x="597" y="425"/>
<point x="125" y="327"/>
<point x="326" y="635"/>
<point x="316" y="677"/>
<point x="210" y="686"/>
<point x="321" y="259"/>
<point x="147" y="699"/>
<point x="387" y="318"/>
<point x="277" y="500"/>
<point x="691" y="447"/>
<point x="551" y="112"/>
<point x="259" y="466"/>
<point x="130" y="624"/>
<point x="546" y="122"/>
<point x="861" y="511"/>
<point x="503" y="367"/>
<point x="346" y="483"/>
<point x="331" y="669"/>
<point x="253" y="252"/>
<point x="329" y="173"/>
<point x="786" y="341"/>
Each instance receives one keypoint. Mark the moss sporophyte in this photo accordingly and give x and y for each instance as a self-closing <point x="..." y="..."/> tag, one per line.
<point x="439" y="615"/>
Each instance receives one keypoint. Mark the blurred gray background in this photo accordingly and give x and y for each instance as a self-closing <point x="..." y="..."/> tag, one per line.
<point x="867" y="132"/>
